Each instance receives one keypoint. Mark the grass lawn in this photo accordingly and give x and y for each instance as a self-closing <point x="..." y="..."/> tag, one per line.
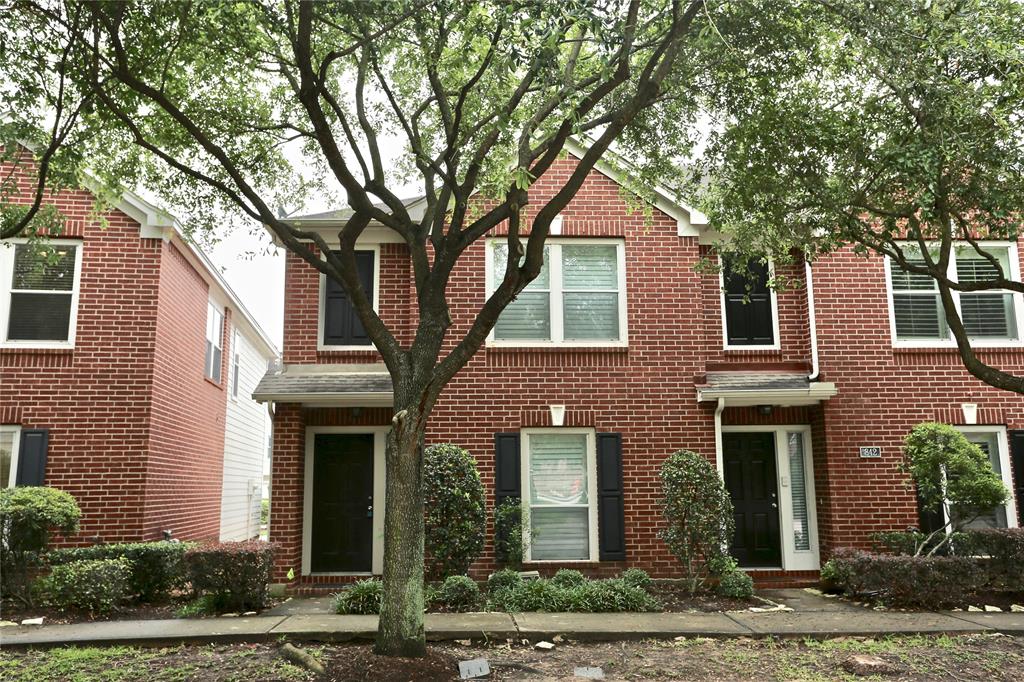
<point x="969" y="657"/>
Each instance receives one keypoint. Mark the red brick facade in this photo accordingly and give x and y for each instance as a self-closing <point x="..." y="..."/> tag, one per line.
<point x="136" y="432"/>
<point x="647" y="390"/>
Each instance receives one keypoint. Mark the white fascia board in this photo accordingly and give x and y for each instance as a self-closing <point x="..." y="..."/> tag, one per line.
<point x="689" y="221"/>
<point x="328" y="399"/>
<point x="784" y="397"/>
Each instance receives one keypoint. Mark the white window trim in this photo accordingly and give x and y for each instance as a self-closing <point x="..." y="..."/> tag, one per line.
<point x="775" y="313"/>
<point x="379" y="472"/>
<point x="320" y="345"/>
<point x="950" y="342"/>
<point x="213" y="305"/>
<point x="524" y="462"/>
<point x="234" y="387"/>
<point x="16" y="430"/>
<point x="792" y="559"/>
<point x="555" y="273"/>
<point x="6" y="275"/>
<point x="1005" y="471"/>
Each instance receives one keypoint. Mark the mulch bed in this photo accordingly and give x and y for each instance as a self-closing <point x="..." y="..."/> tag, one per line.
<point x="676" y="598"/>
<point x="358" y="663"/>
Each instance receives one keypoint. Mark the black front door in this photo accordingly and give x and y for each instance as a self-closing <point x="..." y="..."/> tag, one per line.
<point x="749" y="460"/>
<point x="342" y="533"/>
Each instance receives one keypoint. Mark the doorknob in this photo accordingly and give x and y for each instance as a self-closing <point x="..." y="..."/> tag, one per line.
<point x="774" y="506"/>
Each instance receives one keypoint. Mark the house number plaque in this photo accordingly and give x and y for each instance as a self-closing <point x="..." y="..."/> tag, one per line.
<point x="870" y="451"/>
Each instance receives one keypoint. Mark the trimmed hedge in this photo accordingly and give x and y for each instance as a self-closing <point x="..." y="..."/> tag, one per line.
<point x="157" y="568"/>
<point x="905" y="581"/>
<point x="590" y="596"/>
<point x="1004" y="552"/>
<point x="235" y="575"/>
<point x="97" y="585"/>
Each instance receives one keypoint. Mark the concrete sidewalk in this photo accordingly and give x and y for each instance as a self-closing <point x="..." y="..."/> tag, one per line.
<point x="531" y="626"/>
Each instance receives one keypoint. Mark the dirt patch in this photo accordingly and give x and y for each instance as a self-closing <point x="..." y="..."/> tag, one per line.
<point x="16" y="611"/>
<point x="358" y="663"/>
<point x="675" y="598"/>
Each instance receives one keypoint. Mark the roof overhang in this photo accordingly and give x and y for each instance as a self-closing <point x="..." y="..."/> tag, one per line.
<point x="740" y="389"/>
<point x="327" y="386"/>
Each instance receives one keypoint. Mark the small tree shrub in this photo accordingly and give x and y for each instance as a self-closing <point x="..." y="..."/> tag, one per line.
<point x="97" y="586"/>
<point x="459" y="593"/>
<point x="235" y="575"/>
<point x="158" y="568"/>
<point x="736" y="584"/>
<point x="28" y="515"/>
<point x="927" y="582"/>
<point x="568" y="577"/>
<point x="637" y="577"/>
<point x="504" y="579"/>
<point x="947" y="468"/>
<point x="509" y="547"/>
<point x="698" y="515"/>
<point x="456" y="516"/>
<point x="363" y="598"/>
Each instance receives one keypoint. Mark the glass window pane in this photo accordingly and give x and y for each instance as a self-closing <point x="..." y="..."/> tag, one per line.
<point x="971" y="266"/>
<point x="559" y="534"/>
<point x="39" y="317"/>
<point x="591" y="316"/>
<point x="590" y="267"/>
<point x="6" y="457"/>
<point x="526" y="318"/>
<point x="993" y="518"/>
<point x="558" y="469"/>
<point x="988" y="315"/>
<point x="919" y="317"/>
<point x="54" y="271"/>
<point x="542" y="281"/>
<point x="903" y="280"/>
<point x="798" y="481"/>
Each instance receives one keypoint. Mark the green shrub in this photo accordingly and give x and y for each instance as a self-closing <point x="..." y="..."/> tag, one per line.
<point x="200" y="606"/>
<point x="362" y="598"/>
<point x="506" y="578"/>
<point x="1004" y="549"/>
<point x="637" y="577"/>
<point x="736" y="584"/>
<point x="928" y="582"/>
<point x="235" y="575"/>
<point x="158" y="568"/>
<point x="698" y="515"/>
<point x="509" y="547"/>
<point x="97" y="585"/>
<point x="568" y="577"/>
<point x="28" y="515"/>
<point x="456" y="516"/>
<point x="264" y="511"/>
<point x="459" y="593"/>
<point x="589" y="596"/>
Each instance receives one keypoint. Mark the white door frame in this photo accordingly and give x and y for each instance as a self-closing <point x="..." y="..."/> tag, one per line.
<point x="792" y="559"/>
<point x="379" y="434"/>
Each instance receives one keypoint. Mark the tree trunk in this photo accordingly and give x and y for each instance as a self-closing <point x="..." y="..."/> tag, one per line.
<point x="400" y="632"/>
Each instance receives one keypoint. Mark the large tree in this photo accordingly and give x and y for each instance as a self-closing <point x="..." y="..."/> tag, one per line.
<point x="897" y="128"/>
<point x="200" y="101"/>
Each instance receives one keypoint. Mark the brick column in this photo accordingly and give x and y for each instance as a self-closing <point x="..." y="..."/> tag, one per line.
<point x="286" y="489"/>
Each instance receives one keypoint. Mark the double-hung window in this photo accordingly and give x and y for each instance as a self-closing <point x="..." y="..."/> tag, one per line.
<point x="560" y="482"/>
<point x="9" y="442"/>
<point x="989" y="317"/>
<point x="39" y="288"/>
<point x="579" y="297"/>
<point x="214" y="341"/>
<point x="748" y="306"/>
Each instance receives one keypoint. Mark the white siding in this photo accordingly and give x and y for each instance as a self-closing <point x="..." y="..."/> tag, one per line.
<point x="246" y="428"/>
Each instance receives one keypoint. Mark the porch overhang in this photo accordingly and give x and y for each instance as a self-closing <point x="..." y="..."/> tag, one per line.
<point x="327" y="386"/>
<point x="743" y="389"/>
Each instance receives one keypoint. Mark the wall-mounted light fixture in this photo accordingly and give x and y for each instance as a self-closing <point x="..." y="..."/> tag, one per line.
<point x="765" y="410"/>
<point x="355" y="412"/>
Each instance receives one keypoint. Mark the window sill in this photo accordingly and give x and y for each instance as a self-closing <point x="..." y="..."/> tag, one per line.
<point x="346" y="349"/>
<point x="213" y="383"/>
<point x="11" y="349"/>
<point x="1009" y="347"/>
<point x="557" y="348"/>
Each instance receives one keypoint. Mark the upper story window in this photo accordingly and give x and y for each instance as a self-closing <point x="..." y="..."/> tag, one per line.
<point x="560" y="480"/>
<point x="39" y="290"/>
<point x="235" y="358"/>
<point x="340" y="326"/>
<point x="579" y="297"/>
<point x="748" y="306"/>
<point x="214" y="341"/>
<point x="990" y="317"/>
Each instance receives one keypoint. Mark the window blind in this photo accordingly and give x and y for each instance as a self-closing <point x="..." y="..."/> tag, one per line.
<point x="798" y="486"/>
<point x="42" y="292"/>
<point x="559" y="498"/>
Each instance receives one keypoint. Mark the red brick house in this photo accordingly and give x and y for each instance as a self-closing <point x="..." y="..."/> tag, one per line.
<point x="126" y="371"/>
<point x="619" y="354"/>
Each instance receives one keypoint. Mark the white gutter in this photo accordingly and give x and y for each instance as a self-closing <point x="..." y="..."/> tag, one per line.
<point x="719" y="457"/>
<point x="811" y="395"/>
<point x="812" y="319"/>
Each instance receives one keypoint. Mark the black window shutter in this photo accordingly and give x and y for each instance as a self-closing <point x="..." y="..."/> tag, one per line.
<point x="32" y="457"/>
<point x="342" y="326"/>
<point x="748" y="306"/>
<point x="611" y="512"/>
<point x="507" y="472"/>
<point x="1017" y="465"/>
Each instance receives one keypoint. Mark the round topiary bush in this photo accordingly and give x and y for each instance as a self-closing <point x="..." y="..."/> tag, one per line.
<point x="505" y="579"/>
<point x="736" y="584"/>
<point x="456" y="517"/>
<point x="28" y="514"/>
<point x="459" y="593"/>
<point x="698" y="515"/>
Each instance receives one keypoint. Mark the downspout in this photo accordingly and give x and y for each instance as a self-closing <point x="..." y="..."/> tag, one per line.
<point x="812" y="319"/>
<point x="719" y="459"/>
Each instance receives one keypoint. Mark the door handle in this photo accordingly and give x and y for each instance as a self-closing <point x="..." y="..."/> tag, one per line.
<point x="774" y="506"/>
